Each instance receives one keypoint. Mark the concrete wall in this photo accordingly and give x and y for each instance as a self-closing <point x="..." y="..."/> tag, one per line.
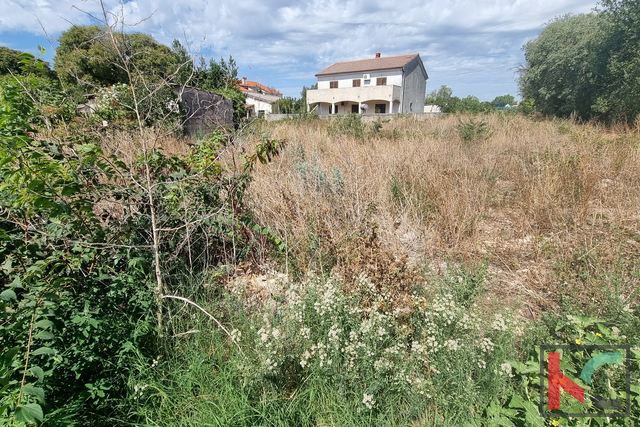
<point x="365" y="118"/>
<point x="415" y="86"/>
<point x="205" y="111"/>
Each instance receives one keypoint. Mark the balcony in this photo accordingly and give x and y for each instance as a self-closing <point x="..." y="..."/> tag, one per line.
<point x="361" y="94"/>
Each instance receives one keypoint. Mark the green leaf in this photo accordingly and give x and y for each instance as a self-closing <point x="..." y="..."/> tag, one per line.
<point x="7" y="266"/>
<point x="8" y="295"/>
<point x="44" y="350"/>
<point x="30" y="413"/>
<point x="532" y="415"/>
<point x="36" y="392"/>
<point x="44" y="335"/>
<point x="516" y="402"/>
<point x="8" y="356"/>
<point x="44" y="324"/>
<point x="37" y="372"/>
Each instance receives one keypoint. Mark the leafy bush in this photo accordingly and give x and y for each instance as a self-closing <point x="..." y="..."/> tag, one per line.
<point x="88" y="247"/>
<point x="350" y="125"/>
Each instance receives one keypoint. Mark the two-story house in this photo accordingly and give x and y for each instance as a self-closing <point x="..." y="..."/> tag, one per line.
<point x="260" y="98"/>
<point x="392" y="84"/>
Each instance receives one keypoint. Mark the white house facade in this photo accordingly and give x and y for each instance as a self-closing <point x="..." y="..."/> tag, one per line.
<point x="392" y="84"/>
<point x="260" y="98"/>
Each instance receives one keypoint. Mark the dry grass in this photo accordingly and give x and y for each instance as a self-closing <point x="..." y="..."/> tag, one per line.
<point x="528" y="200"/>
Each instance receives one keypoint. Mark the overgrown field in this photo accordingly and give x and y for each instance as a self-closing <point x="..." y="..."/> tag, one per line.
<point x="552" y="207"/>
<point x="317" y="273"/>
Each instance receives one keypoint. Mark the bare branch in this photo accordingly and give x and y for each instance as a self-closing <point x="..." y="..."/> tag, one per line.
<point x="207" y="313"/>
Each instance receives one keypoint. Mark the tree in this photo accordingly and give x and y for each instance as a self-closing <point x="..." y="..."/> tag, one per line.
<point x="302" y="102"/>
<point x="285" y="105"/>
<point x="444" y="93"/>
<point x="472" y="104"/>
<point x="448" y="103"/>
<point x="502" y="100"/>
<point x="443" y="98"/>
<point x="566" y="65"/>
<point x="94" y="56"/>
<point x="12" y="62"/>
<point x="587" y="64"/>
<point x="619" y="99"/>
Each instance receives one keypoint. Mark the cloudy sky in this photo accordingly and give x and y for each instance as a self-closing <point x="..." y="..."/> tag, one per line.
<point x="471" y="46"/>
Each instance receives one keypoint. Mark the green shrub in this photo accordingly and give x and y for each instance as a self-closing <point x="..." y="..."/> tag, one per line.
<point x="472" y="130"/>
<point x="350" y="125"/>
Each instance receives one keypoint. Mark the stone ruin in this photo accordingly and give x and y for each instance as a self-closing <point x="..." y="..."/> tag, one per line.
<point x="205" y="111"/>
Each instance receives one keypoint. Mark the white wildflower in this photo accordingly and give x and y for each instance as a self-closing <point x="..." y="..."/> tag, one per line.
<point x="452" y="344"/>
<point x="368" y="401"/>
<point x="499" y="323"/>
<point x="264" y="335"/>
<point x="507" y="369"/>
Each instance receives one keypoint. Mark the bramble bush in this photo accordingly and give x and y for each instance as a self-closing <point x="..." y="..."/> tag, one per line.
<point x="88" y="247"/>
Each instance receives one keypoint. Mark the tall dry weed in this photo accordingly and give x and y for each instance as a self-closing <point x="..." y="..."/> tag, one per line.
<point x="520" y="199"/>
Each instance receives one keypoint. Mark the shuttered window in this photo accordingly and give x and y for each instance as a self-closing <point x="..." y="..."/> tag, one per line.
<point x="381" y="81"/>
<point x="333" y="85"/>
<point x="356" y="82"/>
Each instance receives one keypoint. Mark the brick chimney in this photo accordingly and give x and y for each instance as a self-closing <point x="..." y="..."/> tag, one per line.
<point x="377" y="54"/>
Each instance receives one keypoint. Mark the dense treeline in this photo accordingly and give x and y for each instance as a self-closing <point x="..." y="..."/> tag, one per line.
<point x="448" y="103"/>
<point x="92" y="59"/>
<point x="587" y="65"/>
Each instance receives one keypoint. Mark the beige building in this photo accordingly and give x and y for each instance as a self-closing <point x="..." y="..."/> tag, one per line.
<point x="392" y="84"/>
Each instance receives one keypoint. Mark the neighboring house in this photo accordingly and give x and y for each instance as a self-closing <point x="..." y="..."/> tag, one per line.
<point x="432" y="108"/>
<point x="392" y="84"/>
<point x="260" y="98"/>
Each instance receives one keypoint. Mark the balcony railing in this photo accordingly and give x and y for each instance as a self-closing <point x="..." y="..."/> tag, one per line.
<point x="355" y="94"/>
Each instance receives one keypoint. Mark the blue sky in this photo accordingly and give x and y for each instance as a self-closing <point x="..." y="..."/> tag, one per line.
<point x="471" y="46"/>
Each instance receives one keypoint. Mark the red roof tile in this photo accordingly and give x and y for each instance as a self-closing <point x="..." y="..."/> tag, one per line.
<point x="371" y="64"/>
<point x="250" y="86"/>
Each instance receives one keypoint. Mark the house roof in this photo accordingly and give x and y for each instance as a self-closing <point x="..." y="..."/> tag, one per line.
<point x="265" y="97"/>
<point x="371" y="64"/>
<point x="249" y="86"/>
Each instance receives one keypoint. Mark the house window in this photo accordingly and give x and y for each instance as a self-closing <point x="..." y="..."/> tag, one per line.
<point x="333" y="85"/>
<point x="356" y="82"/>
<point x="381" y="81"/>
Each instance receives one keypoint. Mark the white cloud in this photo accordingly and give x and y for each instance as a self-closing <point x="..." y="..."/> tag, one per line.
<point x="281" y="40"/>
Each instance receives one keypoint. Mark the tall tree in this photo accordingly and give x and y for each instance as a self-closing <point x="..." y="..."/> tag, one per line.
<point x="93" y="56"/>
<point x="587" y="64"/>
<point x="620" y="97"/>
<point x="12" y="62"/>
<point x="565" y="65"/>
<point x="443" y="97"/>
